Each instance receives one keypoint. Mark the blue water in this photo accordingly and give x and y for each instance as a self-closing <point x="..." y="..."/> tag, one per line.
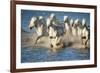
<point x="29" y="55"/>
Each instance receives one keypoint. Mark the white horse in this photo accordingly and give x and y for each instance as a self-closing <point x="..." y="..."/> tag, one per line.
<point x="71" y="25"/>
<point x="52" y="20"/>
<point x="79" y="28"/>
<point x="55" y="40"/>
<point x="52" y="35"/>
<point x="32" y="22"/>
<point x="67" y="25"/>
<point x="55" y="31"/>
<point x="71" y="22"/>
<point x="40" y="26"/>
<point x="85" y="34"/>
<point x="74" y="28"/>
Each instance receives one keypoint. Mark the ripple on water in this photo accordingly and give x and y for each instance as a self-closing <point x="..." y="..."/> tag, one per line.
<point x="42" y="55"/>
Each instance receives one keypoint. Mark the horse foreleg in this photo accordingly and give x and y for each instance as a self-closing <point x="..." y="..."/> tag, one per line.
<point x="83" y="42"/>
<point x="86" y="42"/>
<point x="37" y="39"/>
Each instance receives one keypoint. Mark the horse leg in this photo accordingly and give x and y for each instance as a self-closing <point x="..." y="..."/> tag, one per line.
<point x="51" y="45"/>
<point x="86" y="42"/>
<point x="83" y="42"/>
<point x="38" y="39"/>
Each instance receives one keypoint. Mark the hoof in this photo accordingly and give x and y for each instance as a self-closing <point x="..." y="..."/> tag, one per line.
<point x="51" y="46"/>
<point x="84" y="47"/>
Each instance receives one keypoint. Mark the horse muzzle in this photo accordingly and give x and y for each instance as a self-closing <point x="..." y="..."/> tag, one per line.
<point x="30" y="28"/>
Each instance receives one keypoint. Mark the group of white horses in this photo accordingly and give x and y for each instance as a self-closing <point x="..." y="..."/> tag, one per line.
<point x="56" y="29"/>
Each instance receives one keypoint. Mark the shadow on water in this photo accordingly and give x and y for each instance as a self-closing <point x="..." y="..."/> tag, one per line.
<point x="44" y="55"/>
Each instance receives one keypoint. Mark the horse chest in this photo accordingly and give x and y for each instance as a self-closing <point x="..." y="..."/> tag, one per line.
<point x="66" y="26"/>
<point x="39" y="31"/>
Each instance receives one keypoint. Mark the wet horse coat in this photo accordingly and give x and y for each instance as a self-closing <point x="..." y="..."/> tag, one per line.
<point x="40" y="25"/>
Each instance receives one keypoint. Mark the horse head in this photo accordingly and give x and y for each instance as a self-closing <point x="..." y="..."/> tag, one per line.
<point x="32" y="22"/>
<point x="83" y="22"/>
<point x="66" y="19"/>
<point x="71" y="22"/>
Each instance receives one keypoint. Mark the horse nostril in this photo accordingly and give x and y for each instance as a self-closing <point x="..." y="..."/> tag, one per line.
<point x="30" y="27"/>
